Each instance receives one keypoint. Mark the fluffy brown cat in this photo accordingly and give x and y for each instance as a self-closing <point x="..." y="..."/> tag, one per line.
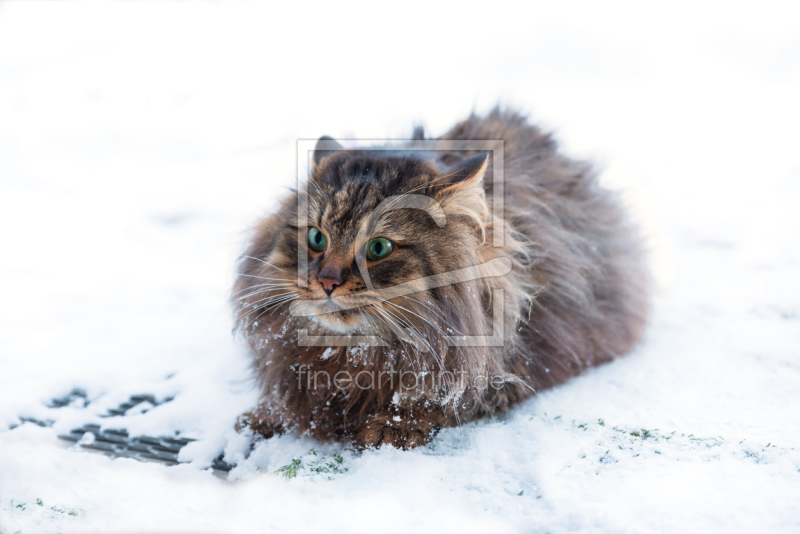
<point x="408" y="283"/>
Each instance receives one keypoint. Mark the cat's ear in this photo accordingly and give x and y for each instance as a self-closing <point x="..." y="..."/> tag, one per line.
<point x="466" y="174"/>
<point x="464" y="194"/>
<point x="326" y="146"/>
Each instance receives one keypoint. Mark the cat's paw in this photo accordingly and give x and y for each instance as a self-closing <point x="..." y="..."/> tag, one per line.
<point x="398" y="431"/>
<point x="259" y="423"/>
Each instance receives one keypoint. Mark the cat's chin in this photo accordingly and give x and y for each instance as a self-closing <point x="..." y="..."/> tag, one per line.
<point x="343" y="322"/>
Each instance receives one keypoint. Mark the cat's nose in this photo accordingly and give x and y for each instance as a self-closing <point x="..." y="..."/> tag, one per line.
<point x="330" y="276"/>
<point x="328" y="285"/>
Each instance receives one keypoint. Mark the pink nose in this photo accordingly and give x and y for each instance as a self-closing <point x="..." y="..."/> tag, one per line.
<point x="330" y="276"/>
<point x="329" y="284"/>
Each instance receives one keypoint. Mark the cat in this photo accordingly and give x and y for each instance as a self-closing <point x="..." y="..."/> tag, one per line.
<point x="401" y="262"/>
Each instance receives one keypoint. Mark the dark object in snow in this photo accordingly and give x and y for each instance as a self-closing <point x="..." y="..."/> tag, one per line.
<point x="117" y="442"/>
<point x="134" y="401"/>
<point x="70" y="398"/>
<point x="345" y="256"/>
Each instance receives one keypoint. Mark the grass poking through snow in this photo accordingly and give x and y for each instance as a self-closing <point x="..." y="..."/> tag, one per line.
<point x="312" y="465"/>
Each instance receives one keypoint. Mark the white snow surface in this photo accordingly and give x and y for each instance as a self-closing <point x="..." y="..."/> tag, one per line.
<point x="138" y="142"/>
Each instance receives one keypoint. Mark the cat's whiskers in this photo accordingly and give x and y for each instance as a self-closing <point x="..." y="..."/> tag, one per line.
<point x="366" y="315"/>
<point x="372" y="321"/>
<point x="465" y="359"/>
<point x="278" y="304"/>
<point x="271" y="297"/>
<point x="415" y="333"/>
<point x="439" y="314"/>
<point x="440" y="360"/>
<point x="267" y="307"/>
<point x="270" y="300"/>
<point x="439" y="357"/>
<point x="363" y="318"/>
<point x="393" y="327"/>
<point x="435" y="312"/>
<point x="415" y="330"/>
<point x="261" y="277"/>
<point x="393" y="319"/>
<point x="263" y="289"/>
<point x="251" y="287"/>
<point x="262" y="261"/>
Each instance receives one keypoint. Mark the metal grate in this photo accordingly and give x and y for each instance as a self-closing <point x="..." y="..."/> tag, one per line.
<point x="117" y="442"/>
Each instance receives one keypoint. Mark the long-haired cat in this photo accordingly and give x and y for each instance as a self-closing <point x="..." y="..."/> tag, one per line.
<point x="430" y="324"/>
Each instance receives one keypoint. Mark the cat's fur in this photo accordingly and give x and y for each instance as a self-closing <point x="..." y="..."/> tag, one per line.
<point x="576" y="295"/>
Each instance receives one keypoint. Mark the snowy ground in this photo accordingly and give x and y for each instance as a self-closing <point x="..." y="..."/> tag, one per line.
<point x="138" y="142"/>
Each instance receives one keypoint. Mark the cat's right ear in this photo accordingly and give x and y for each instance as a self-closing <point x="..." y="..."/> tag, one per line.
<point x="326" y="146"/>
<point x="467" y="174"/>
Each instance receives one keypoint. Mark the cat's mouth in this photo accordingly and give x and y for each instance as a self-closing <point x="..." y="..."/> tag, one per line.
<point x="332" y="315"/>
<point x="356" y="319"/>
<point x="344" y="322"/>
<point x="362" y="313"/>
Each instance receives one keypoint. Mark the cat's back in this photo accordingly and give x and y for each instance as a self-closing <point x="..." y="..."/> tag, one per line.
<point x="521" y="139"/>
<point x="586" y="254"/>
<point x="531" y="161"/>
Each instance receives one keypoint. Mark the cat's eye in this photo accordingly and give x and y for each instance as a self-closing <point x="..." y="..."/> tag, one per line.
<point x="317" y="240"/>
<point x="379" y="248"/>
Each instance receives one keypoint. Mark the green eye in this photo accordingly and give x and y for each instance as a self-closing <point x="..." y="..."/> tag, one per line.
<point x="317" y="240"/>
<point x="379" y="248"/>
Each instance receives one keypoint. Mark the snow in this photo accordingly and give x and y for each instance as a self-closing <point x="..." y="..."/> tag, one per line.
<point x="138" y="142"/>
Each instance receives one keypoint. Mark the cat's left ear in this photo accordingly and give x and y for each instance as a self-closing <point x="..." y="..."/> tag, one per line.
<point x="464" y="194"/>
<point x="326" y="146"/>
<point x="466" y="174"/>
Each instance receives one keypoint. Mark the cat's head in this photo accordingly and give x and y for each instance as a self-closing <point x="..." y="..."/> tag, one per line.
<point x="392" y="243"/>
